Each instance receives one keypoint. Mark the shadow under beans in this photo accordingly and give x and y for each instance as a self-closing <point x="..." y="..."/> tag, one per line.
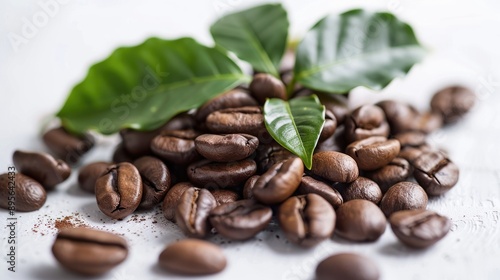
<point x="275" y="239"/>
<point x="397" y="249"/>
<point x="56" y="272"/>
<point x="93" y="213"/>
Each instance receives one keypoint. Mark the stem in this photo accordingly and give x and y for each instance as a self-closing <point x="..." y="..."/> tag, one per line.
<point x="290" y="87"/>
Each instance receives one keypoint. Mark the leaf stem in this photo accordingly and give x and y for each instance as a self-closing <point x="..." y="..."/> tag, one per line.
<point x="290" y="87"/>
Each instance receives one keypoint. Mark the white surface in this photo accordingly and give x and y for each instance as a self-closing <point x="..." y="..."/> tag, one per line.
<point x="35" y="78"/>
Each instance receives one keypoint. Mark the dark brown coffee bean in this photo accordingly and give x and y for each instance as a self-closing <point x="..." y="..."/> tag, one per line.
<point x="192" y="257"/>
<point x="119" y="190"/>
<point x="347" y="266"/>
<point x="400" y="116"/>
<point x="279" y="182"/>
<point x="335" y="166"/>
<point x="66" y="146"/>
<point x="226" y="148"/>
<point x="232" y="99"/>
<point x="373" y="152"/>
<point x="89" y="174"/>
<point x="248" y="187"/>
<point x="176" y="146"/>
<point x="42" y="167"/>
<point x="414" y="139"/>
<point x="452" y="103"/>
<point x="88" y="251"/>
<point x="307" y="219"/>
<point x="336" y="143"/>
<point x="21" y="193"/>
<point x="225" y="196"/>
<point x="403" y="196"/>
<point x="209" y="174"/>
<point x="360" y="220"/>
<point x="364" y="122"/>
<point x="121" y="155"/>
<point x="270" y="154"/>
<point x="336" y="103"/>
<point x="396" y="171"/>
<point x="248" y="120"/>
<point x="265" y="86"/>
<point x="137" y="143"/>
<point x="435" y="172"/>
<point x="156" y="181"/>
<point x="310" y="185"/>
<point x="240" y="220"/>
<point x="329" y="127"/>
<point x="172" y="198"/>
<point x="362" y="188"/>
<point x="192" y="212"/>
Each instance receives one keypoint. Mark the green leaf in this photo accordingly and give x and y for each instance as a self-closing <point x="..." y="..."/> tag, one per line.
<point x="257" y="35"/>
<point x="296" y="125"/>
<point x="142" y="87"/>
<point x="356" y="48"/>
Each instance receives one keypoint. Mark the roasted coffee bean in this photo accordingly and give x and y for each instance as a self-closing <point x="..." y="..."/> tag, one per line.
<point x="307" y="219"/>
<point x="414" y="139"/>
<point x="270" y="154"/>
<point x="360" y="220"/>
<point x="336" y="143"/>
<point x="329" y="127"/>
<point x="226" y="148"/>
<point x="192" y="257"/>
<point x="29" y="195"/>
<point x="192" y="212"/>
<point x="137" y="143"/>
<point x="435" y="172"/>
<point x="403" y="196"/>
<point x="335" y="166"/>
<point x="208" y="174"/>
<point x="347" y="266"/>
<point x="182" y="121"/>
<point x="240" y="220"/>
<point x="310" y="185"/>
<point x="248" y="120"/>
<point x="119" y="190"/>
<point x="42" y="167"/>
<point x="156" y="181"/>
<point x="373" y="152"/>
<point x="121" y="155"/>
<point x="336" y="103"/>
<point x="400" y="116"/>
<point x="452" y="103"/>
<point x="396" y="171"/>
<point x="172" y="198"/>
<point x="362" y="188"/>
<point x="88" y="251"/>
<point x="279" y="182"/>
<point x="248" y="188"/>
<point x="225" y="196"/>
<point x="232" y="99"/>
<point x="89" y="174"/>
<point x="176" y="146"/>
<point x="66" y="146"/>
<point x="265" y="86"/>
<point x="364" y="122"/>
<point x="428" y="122"/>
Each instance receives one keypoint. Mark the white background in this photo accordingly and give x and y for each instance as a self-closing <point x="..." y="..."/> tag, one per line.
<point x="37" y="74"/>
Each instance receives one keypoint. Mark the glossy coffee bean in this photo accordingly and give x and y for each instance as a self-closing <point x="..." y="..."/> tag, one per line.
<point x="176" y="146"/>
<point x="248" y="187"/>
<point x="270" y="154"/>
<point x="435" y="172"/>
<point x="329" y="127"/>
<point x="232" y="99"/>
<point x="335" y="166"/>
<point x="119" y="190"/>
<point x="225" y="196"/>
<point x="347" y="266"/>
<point x="403" y="196"/>
<point x="373" y="152"/>
<point x="42" y="167"/>
<point x="192" y="212"/>
<point x="364" y="122"/>
<point x="121" y="155"/>
<point x="88" y="251"/>
<point x="362" y="188"/>
<point x="279" y="182"/>
<point x="452" y="103"/>
<point x="240" y="220"/>
<point x="21" y="193"/>
<point x="209" y="174"/>
<point x="192" y="257"/>
<point x="156" y="181"/>
<point x="247" y="120"/>
<point x="226" y="148"/>
<point x="265" y="86"/>
<point x="66" y="146"/>
<point x="169" y="204"/>
<point x="307" y="219"/>
<point x="395" y="171"/>
<point x="310" y="185"/>
<point x="360" y="220"/>
<point x="419" y="228"/>
<point x="400" y="116"/>
<point x="88" y="175"/>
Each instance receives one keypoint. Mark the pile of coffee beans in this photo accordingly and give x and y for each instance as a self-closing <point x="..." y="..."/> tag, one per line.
<point x="218" y="171"/>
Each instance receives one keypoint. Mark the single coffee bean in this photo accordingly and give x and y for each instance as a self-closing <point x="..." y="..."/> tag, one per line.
<point x="373" y="152"/>
<point x="137" y="143"/>
<point x="226" y="148"/>
<point x="347" y="266"/>
<point x="88" y="251"/>
<point x="89" y="174"/>
<point x="176" y="146"/>
<point x="310" y="185"/>
<point x="208" y="174"/>
<point x="360" y="220"/>
<point x="428" y="122"/>
<point x="270" y="154"/>
<point x="121" y="155"/>
<point x="419" y="228"/>
<point x="400" y="116"/>
<point x="29" y="194"/>
<point x="156" y="181"/>
<point x="172" y="198"/>
<point x="335" y="166"/>
<point x="119" y="190"/>
<point x="265" y="86"/>
<point x="66" y="146"/>
<point x="403" y="196"/>
<point x="240" y="220"/>
<point x="279" y="182"/>
<point x="362" y="188"/>
<point x="42" y="167"/>
<point x="336" y="103"/>
<point x="452" y="103"/>
<point x="396" y="171"/>
<point x="414" y="139"/>
<point x="248" y="187"/>
<point x="435" y="172"/>
<point x="247" y="120"/>
<point x="192" y="212"/>
<point x="225" y="196"/>
<point x="364" y="122"/>
<point x="307" y="219"/>
<point x="192" y="257"/>
<point x="329" y="127"/>
<point x="232" y="99"/>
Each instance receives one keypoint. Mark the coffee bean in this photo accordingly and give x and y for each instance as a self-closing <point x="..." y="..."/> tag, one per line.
<point x="347" y="266"/>
<point x="225" y="196"/>
<point x="42" y="167"/>
<point x="192" y="212"/>
<point x="172" y="198"/>
<point x="435" y="172"/>
<point x="373" y="152"/>
<point x="265" y="86"/>
<point x="279" y="182"/>
<point x="88" y="251"/>
<point x="156" y="181"/>
<point x="66" y="146"/>
<point x="232" y="99"/>
<point x="396" y="171"/>
<point x="226" y="148"/>
<point x="248" y="187"/>
<point x="362" y="188"/>
<point x="176" y="146"/>
<point x="270" y="154"/>
<point x="89" y="174"/>
<point x="403" y="196"/>
<point x="428" y="122"/>
<point x="192" y="257"/>
<point x="360" y="220"/>
<point x="248" y="120"/>
<point x="414" y="139"/>
<point x="240" y="220"/>
<point x="336" y="143"/>
<point x="29" y="195"/>
<point x="335" y="166"/>
<point x="364" y="122"/>
<point x="452" y="103"/>
<point x="119" y="190"/>
<point x="208" y="174"/>
<point x="306" y="220"/>
<point x="137" y="143"/>
<point x="336" y="103"/>
<point x="400" y="116"/>
<point x="310" y="185"/>
<point x="329" y="127"/>
<point x="121" y="155"/>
